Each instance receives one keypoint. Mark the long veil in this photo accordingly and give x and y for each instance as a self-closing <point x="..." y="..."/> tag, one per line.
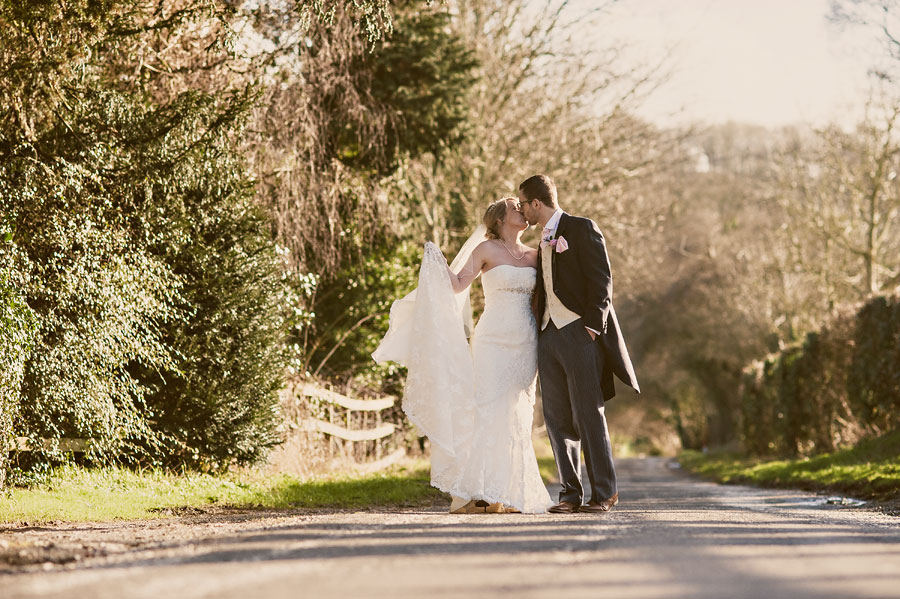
<point x="428" y="333"/>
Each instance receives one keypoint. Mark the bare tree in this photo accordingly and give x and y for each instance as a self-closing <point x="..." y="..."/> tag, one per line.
<point x="882" y="16"/>
<point x="547" y="102"/>
<point x="844" y="194"/>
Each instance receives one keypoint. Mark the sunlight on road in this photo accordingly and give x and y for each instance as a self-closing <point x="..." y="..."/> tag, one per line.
<point x="671" y="536"/>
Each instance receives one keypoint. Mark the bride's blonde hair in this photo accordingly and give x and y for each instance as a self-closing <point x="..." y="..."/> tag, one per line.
<point x="494" y="217"/>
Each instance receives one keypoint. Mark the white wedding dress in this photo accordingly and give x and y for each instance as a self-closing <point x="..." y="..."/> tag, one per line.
<point x="474" y="403"/>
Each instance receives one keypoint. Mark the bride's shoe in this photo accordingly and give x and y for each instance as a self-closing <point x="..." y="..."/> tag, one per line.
<point x="472" y="507"/>
<point x="499" y="508"/>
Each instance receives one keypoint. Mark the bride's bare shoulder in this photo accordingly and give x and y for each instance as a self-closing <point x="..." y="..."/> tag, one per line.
<point x="486" y="246"/>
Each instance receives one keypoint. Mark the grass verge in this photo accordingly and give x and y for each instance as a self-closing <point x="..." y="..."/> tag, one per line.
<point x="871" y="470"/>
<point x="81" y="494"/>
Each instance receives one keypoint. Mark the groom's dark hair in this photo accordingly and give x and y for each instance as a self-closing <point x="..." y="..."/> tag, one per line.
<point x="540" y="187"/>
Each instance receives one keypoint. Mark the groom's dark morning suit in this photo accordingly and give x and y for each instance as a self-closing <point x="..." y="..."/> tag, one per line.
<point x="576" y="372"/>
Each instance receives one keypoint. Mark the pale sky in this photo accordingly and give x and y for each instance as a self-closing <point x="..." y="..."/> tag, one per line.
<point x="769" y="62"/>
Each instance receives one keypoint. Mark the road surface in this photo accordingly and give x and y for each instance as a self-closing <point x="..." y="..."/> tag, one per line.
<point x="671" y="536"/>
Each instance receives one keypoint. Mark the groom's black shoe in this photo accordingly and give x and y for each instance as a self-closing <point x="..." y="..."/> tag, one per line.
<point x="564" y="507"/>
<point x="601" y="506"/>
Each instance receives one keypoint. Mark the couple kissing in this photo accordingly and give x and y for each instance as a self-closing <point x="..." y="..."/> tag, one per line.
<point x="548" y="316"/>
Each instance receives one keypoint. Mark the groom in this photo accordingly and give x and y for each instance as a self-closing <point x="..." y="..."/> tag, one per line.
<point x="580" y="346"/>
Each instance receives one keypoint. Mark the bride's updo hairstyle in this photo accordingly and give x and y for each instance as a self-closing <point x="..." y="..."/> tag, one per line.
<point x="494" y="217"/>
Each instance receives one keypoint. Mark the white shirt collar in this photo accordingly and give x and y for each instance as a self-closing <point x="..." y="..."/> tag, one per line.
<point x="553" y="222"/>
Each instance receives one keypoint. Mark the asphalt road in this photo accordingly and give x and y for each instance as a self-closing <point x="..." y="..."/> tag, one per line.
<point x="671" y="536"/>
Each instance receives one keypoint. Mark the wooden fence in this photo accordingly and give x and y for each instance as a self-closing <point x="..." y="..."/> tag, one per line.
<point x="355" y="428"/>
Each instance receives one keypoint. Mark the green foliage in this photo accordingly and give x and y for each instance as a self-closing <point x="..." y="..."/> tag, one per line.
<point x="217" y="402"/>
<point x="689" y="413"/>
<point x="356" y="305"/>
<point x="758" y="408"/>
<point x="17" y="325"/>
<point x="420" y="76"/>
<point x="157" y="301"/>
<point x="842" y="384"/>
<point x="869" y="470"/>
<point x="98" y="290"/>
<point x="335" y="135"/>
<point x="146" y="263"/>
<point x="873" y="379"/>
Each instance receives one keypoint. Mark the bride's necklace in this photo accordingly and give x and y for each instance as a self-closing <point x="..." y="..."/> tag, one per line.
<point x="509" y="251"/>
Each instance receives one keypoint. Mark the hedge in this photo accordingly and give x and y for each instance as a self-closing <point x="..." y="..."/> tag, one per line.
<point x="840" y="385"/>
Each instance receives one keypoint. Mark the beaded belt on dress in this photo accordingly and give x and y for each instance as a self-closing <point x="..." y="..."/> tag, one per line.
<point x="515" y="290"/>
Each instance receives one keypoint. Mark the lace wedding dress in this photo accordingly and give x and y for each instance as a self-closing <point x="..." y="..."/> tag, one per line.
<point x="475" y="403"/>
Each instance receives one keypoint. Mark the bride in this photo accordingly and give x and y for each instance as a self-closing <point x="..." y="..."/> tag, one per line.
<point x="475" y="403"/>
